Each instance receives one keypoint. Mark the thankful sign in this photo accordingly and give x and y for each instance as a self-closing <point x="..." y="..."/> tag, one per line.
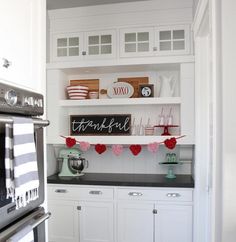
<point x="114" y="124"/>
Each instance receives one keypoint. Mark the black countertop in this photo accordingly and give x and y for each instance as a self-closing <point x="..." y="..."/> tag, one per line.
<point x="116" y="179"/>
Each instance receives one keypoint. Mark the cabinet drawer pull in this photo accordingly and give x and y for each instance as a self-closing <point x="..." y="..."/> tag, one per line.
<point x="95" y="192"/>
<point x="135" y="194"/>
<point x="173" y="194"/>
<point x="61" y="191"/>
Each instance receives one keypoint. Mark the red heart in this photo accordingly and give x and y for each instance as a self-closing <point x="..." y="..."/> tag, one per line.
<point x="70" y="142"/>
<point x="100" y="148"/>
<point x="135" y="149"/>
<point x="170" y="143"/>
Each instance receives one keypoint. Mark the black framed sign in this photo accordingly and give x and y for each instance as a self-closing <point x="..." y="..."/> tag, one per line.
<point x="100" y="124"/>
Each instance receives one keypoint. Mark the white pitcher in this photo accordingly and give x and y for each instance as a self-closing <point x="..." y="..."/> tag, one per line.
<point x="167" y="86"/>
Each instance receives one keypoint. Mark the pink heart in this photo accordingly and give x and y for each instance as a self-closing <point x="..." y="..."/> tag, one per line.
<point x="117" y="149"/>
<point x="84" y="146"/>
<point x="153" y="147"/>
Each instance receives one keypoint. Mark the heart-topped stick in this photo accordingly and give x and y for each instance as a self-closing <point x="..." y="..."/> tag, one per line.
<point x="100" y="148"/>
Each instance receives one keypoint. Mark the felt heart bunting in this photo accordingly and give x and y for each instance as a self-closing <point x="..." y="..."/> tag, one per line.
<point x="84" y="146"/>
<point x="100" y="148"/>
<point x="170" y="143"/>
<point x="70" y="142"/>
<point x="117" y="149"/>
<point x="135" y="149"/>
<point x="153" y="147"/>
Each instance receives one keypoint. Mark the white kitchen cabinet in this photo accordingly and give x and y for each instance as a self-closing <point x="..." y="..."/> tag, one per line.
<point x="64" y="222"/>
<point x="96" y="221"/>
<point x="80" y="214"/>
<point x="22" y="42"/>
<point x="173" y="223"/>
<point x="155" y="41"/>
<point x="135" y="222"/>
<point x="84" y="45"/>
<point x="136" y="42"/>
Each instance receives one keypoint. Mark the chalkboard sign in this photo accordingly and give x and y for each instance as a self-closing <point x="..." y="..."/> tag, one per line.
<point x="114" y="124"/>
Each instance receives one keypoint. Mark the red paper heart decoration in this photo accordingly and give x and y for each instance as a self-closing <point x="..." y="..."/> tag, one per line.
<point x="170" y="143"/>
<point x="100" y="148"/>
<point x="70" y="142"/>
<point x="135" y="149"/>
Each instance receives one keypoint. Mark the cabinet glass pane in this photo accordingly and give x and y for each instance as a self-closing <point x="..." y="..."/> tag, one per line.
<point x="178" y="34"/>
<point x="165" y="45"/>
<point x="143" y="36"/>
<point x="179" y="45"/>
<point x="93" y="50"/>
<point x="130" y="37"/>
<point x="62" y="42"/>
<point x="93" y="40"/>
<point x="74" y="41"/>
<point x="62" y="52"/>
<point x="130" y="47"/>
<point x="106" y="39"/>
<point x="106" y="49"/>
<point x="74" y="51"/>
<point x="165" y="35"/>
<point x="143" y="47"/>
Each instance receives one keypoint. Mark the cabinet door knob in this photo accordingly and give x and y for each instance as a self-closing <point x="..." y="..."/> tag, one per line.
<point x="95" y="192"/>
<point x="6" y="63"/>
<point x="61" y="191"/>
<point x="79" y="208"/>
<point x="83" y="52"/>
<point x="154" y="48"/>
<point x="135" y="194"/>
<point x="173" y="194"/>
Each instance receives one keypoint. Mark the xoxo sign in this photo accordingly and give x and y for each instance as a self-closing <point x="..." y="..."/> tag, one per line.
<point x="120" y="90"/>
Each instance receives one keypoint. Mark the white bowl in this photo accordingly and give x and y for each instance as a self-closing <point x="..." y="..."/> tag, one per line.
<point x="93" y="95"/>
<point x="77" y="87"/>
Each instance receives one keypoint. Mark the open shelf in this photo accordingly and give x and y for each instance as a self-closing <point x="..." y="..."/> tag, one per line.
<point x="124" y="139"/>
<point x="119" y="101"/>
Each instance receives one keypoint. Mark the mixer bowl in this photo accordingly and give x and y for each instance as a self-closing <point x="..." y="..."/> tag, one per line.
<point x="76" y="165"/>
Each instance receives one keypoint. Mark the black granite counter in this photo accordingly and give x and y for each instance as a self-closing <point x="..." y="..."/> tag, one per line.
<point x="116" y="179"/>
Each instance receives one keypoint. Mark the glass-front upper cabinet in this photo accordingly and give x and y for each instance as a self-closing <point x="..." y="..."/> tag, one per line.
<point x="136" y="42"/>
<point x="100" y="44"/>
<point x="67" y="47"/>
<point x="172" y="40"/>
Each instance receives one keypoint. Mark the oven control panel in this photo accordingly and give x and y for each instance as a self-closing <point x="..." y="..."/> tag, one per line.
<point x="21" y="101"/>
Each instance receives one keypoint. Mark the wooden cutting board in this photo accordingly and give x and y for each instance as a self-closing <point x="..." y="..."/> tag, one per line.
<point x="135" y="82"/>
<point x="92" y="84"/>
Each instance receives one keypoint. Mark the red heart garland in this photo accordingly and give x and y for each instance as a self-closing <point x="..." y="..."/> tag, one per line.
<point x="170" y="143"/>
<point x="70" y="142"/>
<point x="100" y="148"/>
<point x="135" y="149"/>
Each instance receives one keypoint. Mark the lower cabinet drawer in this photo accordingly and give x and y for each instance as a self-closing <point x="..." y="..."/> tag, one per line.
<point x="156" y="194"/>
<point x="78" y="193"/>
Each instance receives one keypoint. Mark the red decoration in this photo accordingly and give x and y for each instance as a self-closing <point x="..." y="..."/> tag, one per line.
<point x="100" y="148"/>
<point x="170" y="143"/>
<point x="70" y="142"/>
<point x="135" y="149"/>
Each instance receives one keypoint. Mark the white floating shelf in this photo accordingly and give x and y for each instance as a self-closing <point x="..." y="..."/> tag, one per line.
<point x="125" y="140"/>
<point x="119" y="101"/>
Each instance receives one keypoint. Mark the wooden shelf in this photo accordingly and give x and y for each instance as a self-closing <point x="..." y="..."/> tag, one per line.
<point x="123" y="101"/>
<point x="125" y="140"/>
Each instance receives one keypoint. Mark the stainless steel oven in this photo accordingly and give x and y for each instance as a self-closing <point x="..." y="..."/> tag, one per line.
<point x="19" y="102"/>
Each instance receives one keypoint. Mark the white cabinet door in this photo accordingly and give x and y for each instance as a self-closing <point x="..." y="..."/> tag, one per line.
<point x="63" y="224"/>
<point x="135" y="222"/>
<point x="173" y="223"/>
<point x="100" y="44"/>
<point x="67" y="47"/>
<point x="135" y="42"/>
<point x="172" y="40"/>
<point x="96" y="222"/>
<point x="22" y="42"/>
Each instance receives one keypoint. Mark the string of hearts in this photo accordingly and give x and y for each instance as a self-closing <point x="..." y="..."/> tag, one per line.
<point x="118" y="149"/>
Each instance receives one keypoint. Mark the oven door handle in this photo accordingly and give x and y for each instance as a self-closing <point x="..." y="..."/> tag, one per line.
<point x="40" y="220"/>
<point x="40" y="122"/>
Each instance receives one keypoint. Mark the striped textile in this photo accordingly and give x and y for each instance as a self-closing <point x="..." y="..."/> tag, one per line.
<point x="24" y="235"/>
<point x="21" y="170"/>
